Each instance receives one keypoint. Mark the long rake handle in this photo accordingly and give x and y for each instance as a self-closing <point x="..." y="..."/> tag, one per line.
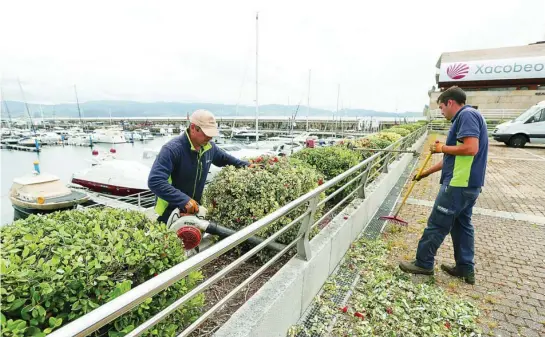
<point x="412" y="184"/>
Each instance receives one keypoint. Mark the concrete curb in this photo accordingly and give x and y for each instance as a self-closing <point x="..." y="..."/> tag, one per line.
<point x="282" y="300"/>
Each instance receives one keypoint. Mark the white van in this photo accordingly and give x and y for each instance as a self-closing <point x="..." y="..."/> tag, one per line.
<point x="528" y="127"/>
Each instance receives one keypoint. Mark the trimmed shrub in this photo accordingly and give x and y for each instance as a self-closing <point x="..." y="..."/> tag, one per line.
<point x="331" y="160"/>
<point x="391" y="137"/>
<point x="400" y="131"/>
<point x="58" y="267"/>
<point x="238" y="197"/>
<point x="410" y="127"/>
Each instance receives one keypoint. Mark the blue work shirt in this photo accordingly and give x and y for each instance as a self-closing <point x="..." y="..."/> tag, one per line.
<point x="466" y="171"/>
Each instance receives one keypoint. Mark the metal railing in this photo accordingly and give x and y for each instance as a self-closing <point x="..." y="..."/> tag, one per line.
<point x="136" y="201"/>
<point x="356" y="177"/>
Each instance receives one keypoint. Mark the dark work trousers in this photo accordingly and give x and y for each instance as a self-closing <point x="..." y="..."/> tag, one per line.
<point x="451" y="214"/>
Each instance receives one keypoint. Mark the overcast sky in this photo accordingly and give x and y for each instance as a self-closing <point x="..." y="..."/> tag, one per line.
<point x="382" y="53"/>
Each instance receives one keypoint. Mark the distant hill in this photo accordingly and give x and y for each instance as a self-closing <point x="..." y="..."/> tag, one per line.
<point x="158" y="109"/>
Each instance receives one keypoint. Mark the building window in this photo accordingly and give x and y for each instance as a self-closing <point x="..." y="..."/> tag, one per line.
<point x="523" y="88"/>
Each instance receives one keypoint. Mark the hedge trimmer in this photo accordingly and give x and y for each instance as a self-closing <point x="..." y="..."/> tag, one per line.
<point x="189" y="228"/>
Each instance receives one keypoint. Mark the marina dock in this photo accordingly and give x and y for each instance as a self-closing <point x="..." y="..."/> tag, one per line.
<point x="19" y="148"/>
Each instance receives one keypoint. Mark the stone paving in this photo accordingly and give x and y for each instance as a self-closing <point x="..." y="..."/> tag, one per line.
<point x="510" y="254"/>
<point x="515" y="180"/>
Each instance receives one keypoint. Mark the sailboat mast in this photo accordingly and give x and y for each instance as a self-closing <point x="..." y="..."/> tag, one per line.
<point x="79" y="111"/>
<point x="338" y="94"/>
<point x="27" y="109"/>
<point x="7" y="108"/>
<point x="256" y="79"/>
<point x="308" y="97"/>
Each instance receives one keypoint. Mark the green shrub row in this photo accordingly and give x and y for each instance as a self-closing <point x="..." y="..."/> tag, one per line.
<point x="58" y="267"/>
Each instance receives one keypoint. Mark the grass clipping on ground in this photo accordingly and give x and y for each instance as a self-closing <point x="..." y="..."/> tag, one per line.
<point x="385" y="302"/>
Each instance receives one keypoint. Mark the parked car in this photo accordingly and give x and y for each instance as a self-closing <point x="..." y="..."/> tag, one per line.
<point x="529" y="127"/>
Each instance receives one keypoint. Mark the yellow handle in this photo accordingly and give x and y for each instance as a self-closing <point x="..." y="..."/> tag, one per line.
<point x="413" y="183"/>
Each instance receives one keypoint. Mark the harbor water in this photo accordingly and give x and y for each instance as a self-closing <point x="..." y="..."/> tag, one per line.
<point x="63" y="161"/>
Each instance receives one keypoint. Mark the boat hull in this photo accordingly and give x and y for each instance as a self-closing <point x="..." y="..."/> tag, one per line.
<point x="22" y="209"/>
<point x="106" y="188"/>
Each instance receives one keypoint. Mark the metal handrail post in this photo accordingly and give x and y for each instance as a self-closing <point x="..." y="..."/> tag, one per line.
<point x="303" y="244"/>
<point x="386" y="163"/>
<point x="363" y="182"/>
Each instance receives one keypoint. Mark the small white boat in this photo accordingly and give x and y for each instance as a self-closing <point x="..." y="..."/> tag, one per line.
<point x="136" y="135"/>
<point x="9" y="140"/>
<point x="110" y="135"/>
<point x="29" y="141"/>
<point x="114" y="176"/>
<point x="49" y="138"/>
<point x="42" y="193"/>
<point x="248" y="135"/>
<point x="165" y="131"/>
<point x="80" y="139"/>
<point x="130" y="136"/>
<point x="145" y="134"/>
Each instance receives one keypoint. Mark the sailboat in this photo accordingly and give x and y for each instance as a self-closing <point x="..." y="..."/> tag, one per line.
<point x="7" y="134"/>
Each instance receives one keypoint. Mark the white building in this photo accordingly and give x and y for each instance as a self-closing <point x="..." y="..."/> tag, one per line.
<point x="511" y="78"/>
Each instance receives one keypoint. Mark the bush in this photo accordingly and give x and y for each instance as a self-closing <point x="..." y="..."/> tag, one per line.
<point x="410" y="127"/>
<point x="400" y="131"/>
<point x="238" y="197"/>
<point x="331" y="160"/>
<point x="58" y="267"/>
<point x="391" y="137"/>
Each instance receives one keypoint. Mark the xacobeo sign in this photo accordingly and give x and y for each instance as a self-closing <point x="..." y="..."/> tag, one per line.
<point x="486" y="70"/>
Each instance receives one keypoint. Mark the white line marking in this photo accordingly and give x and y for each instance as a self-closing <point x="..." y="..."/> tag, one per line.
<point x="535" y="155"/>
<point x="489" y="212"/>
<point x="518" y="159"/>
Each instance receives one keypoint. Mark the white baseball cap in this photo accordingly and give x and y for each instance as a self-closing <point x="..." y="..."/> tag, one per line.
<point x="206" y="121"/>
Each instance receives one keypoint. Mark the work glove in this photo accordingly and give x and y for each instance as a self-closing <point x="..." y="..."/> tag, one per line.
<point x="192" y="207"/>
<point x="437" y="147"/>
<point x="418" y="178"/>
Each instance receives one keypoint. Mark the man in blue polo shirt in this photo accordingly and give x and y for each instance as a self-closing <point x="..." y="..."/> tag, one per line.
<point x="462" y="176"/>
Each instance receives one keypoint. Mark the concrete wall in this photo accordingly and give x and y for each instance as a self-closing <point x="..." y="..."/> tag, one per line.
<point x="285" y="297"/>
<point x="514" y="99"/>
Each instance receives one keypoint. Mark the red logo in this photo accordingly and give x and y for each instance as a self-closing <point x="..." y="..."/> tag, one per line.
<point x="457" y="71"/>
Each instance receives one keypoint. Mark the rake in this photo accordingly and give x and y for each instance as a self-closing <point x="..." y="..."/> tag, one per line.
<point x="394" y="218"/>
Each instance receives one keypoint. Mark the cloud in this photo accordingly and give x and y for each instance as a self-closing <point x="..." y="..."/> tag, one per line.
<point x="383" y="54"/>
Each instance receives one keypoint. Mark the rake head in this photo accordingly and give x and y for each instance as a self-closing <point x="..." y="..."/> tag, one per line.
<point x="394" y="219"/>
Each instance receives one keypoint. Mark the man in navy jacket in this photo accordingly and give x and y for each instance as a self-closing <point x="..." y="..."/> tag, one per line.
<point x="178" y="175"/>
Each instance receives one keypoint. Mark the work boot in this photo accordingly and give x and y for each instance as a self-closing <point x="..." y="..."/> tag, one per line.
<point x="468" y="277"/>
<point x="411" y="267"/>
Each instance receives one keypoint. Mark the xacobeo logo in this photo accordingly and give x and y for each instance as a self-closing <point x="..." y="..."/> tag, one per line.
<point x="457" y="71"/>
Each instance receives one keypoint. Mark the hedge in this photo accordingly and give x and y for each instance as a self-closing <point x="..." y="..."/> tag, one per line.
<point x="400" y="131"/>
<point x="390" y="137"/>
<point x="238" y="197"/>
<point x="58" y="267"/>
<point x="330" y="160"/>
